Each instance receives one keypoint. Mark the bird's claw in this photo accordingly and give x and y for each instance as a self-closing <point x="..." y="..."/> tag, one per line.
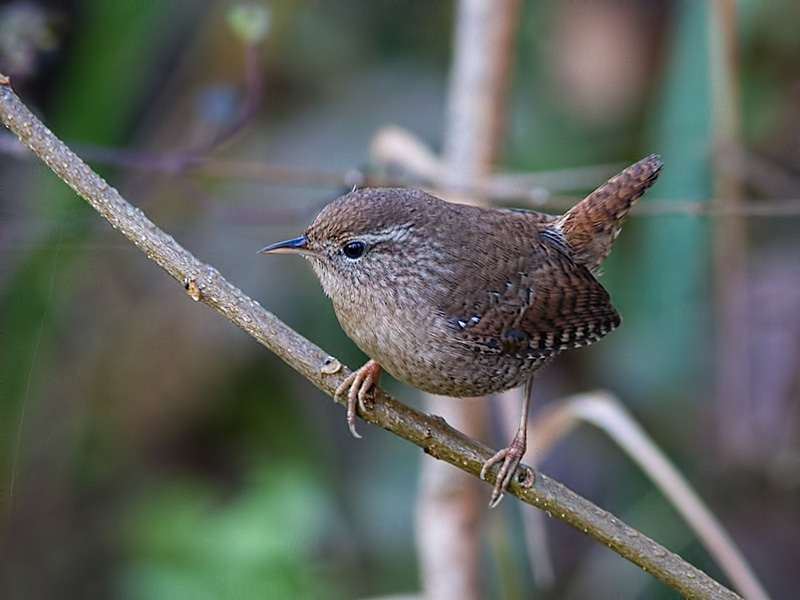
<point x="358" y="386"/>
<point x="510" y="458"/>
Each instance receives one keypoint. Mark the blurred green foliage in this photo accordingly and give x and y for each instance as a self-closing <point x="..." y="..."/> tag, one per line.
<point x="188" y="542"/>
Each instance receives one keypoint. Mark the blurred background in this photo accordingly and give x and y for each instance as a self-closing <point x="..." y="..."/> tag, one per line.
<point x="150" y="449"/>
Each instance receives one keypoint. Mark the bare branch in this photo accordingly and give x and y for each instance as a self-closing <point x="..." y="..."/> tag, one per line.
<point x="431" y="433"/>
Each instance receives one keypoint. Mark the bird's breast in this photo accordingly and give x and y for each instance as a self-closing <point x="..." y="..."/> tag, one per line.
<point x="425" y="350"/>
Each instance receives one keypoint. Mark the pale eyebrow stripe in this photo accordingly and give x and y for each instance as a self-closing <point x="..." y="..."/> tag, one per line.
<point x="395" y="233"/>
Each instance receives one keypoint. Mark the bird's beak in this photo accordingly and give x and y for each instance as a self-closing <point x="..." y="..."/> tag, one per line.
<point x="296" y="246"/>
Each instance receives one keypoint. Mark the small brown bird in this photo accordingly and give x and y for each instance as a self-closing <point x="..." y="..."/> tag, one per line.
<point x="465" y="301"/>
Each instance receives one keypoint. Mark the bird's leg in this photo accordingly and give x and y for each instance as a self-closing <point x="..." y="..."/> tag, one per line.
<point x="357" y="385"/>
<point x="512" y="455"/>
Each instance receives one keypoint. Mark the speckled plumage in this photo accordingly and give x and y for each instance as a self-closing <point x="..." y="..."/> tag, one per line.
<point x="465" y="301"/>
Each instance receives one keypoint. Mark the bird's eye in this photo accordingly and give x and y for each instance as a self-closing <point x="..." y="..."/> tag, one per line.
<point x="354" y="249"/>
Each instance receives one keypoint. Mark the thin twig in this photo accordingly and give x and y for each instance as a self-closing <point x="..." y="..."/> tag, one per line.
<point x="204" y="283"/>
<point x="249" y="108"/>
<point x="605" y="411"/>
<point x="525" y="189"/>
<point x="734" y="403"/>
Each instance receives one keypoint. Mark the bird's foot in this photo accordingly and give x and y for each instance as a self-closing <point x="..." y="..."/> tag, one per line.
<point x="358" y="386"/>
<point x="510" y="458"/>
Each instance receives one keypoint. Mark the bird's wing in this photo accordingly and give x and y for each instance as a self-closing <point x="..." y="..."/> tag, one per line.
<point x="531" y="305"/>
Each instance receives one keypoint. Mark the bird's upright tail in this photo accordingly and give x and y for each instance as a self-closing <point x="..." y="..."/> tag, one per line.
<point x="590" y="227"/>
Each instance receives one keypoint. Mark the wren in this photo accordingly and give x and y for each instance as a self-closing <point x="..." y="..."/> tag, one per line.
<point x="466" y="301"/>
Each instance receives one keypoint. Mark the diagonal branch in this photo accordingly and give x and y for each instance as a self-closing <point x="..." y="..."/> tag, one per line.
<point x="204" y="283"/>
